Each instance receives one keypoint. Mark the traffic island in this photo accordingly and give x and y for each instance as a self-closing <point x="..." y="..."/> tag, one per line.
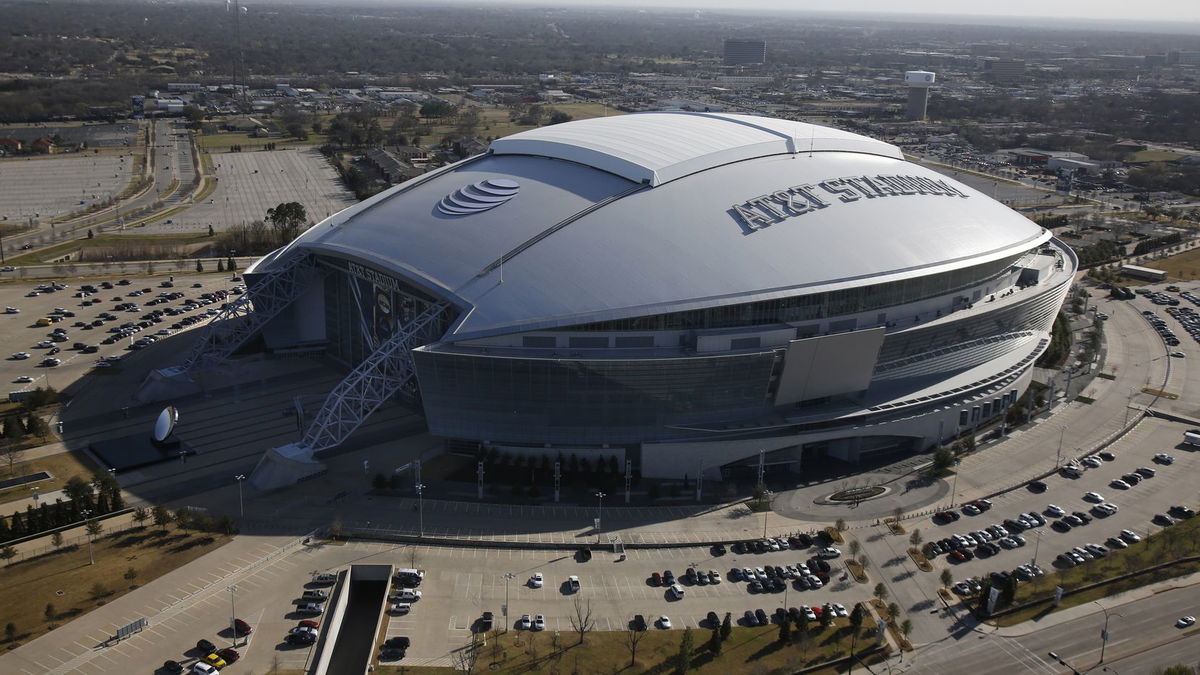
<point x="856" y="570"/>
<point x="920" y="559"/>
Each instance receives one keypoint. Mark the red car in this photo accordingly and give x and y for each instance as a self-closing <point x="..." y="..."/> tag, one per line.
<point x="656" y="579"/>
<point x="310" y="623"/>
<point x="818" y="611"/>
<point x="242" y="627"/>
<point x="229" y="654"/>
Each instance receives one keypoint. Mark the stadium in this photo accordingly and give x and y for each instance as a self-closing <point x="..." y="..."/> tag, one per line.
<point x="691" y="293"/>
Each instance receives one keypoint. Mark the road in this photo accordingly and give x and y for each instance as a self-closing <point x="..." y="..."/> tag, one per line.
<point x="1134" y="628"/>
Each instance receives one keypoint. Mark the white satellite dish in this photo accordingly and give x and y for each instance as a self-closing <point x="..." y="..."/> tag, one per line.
<point x="167" y="420"/>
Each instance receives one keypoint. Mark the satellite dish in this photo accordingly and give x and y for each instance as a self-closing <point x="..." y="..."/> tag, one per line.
<point x="167" y="420"/>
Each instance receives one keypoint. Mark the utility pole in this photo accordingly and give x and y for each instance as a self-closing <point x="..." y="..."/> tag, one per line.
<point x="1058" y="457"/>
<point x="479" y="476"/>
<point x="87" y="517"/>
<point x="767" y="494"/>
<point x="557" y="480"/>
<point x="628" y="478"/>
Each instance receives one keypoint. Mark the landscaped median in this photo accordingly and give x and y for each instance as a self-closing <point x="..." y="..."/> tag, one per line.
<point x="1172" y="552"/>
<point x="745" y="650"/>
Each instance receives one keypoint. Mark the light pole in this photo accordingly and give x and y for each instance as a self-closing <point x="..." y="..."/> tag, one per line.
<point x="599" y="514"/>
<point x="241" y="505"/>
<point x="508" y="576"/>
<point x="1104" y="632"/>
<point x="233" y="613"/>
<point x="421" y="509"/>
<point x="87" y="528"/>
<point x="1036" y="546"/>
<point x="767" y="494"/>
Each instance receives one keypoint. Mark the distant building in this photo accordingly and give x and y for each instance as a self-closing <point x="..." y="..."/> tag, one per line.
<point x="43" y="145"/>
<point x="9" y="145"/>
<point x="745" y="52"/>
<point x="1004" y="69"/>
<point x="184" y="86"/>
<point x="395" y="169"/>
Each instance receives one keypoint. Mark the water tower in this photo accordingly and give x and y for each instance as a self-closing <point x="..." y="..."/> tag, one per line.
<point x="918" y="83"/>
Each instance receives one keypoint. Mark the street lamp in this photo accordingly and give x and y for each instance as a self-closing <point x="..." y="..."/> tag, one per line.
<point x="421" y="508"/>
<point x="767" y="494"/>
<point x="86" y="527"/>
<point x="233" y="613"/>
<point x="241" y="505"/>
<point x="599" y="514"/>
<point x="1104" y="632"/>
<point x="508" y="576"/>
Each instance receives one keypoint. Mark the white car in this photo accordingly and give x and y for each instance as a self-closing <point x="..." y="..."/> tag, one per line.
<point x="400" y="608"/>
<point x="202" y="668"/>
<point x="664" y="622"/>
<point x="24" y="379"/>
<point x="1119" y="484"/>
<point x="102" y="364"/>
<point x="840" y="609"/>
<point x="1055" y="511"/>
<point x="539" y="622"/>
<point x="1185" y="621"/>
<point x="1130" y="536"/>
<point x="572" y="583"/>
<point x="11" y="310"/>
<point x="406" y="595"/>
<point x="44" y="344"/>
<point x="828" y="553"/>
<point x="677" y="591"/>
<point x="1093" y="497"/>
<point x="1164" y="458"/>
<point x="1091" y="462"/>
<point x="525" y="622"/>
<point x="20" y="355"/>
<point x="536" y="581"/>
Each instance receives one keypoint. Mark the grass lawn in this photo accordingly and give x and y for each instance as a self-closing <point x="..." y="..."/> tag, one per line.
<point x="1154" y="156"/>
<point x="1178" y="541"/>
<point x="747" y="650"/>
<point x="61" y="467"/>
<point x="1182" y="267"/>
<point x="149" y="551"/>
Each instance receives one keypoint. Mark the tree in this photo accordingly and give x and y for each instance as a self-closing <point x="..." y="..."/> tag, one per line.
<point x="183" y="518"/>
<point x="140" y="515"/>
<point x="226" y="524"/>
<point x="211" y="231"/>
<point x="94" y="527"/>
<point x="162" y="517"/>
<point x="10" y="631"/>
<point x="855" y="547"/>
<point x="915" y="538"/>
<point x="633" y="637"/>
<point x="558" y="117"/>
<point x="880" y="591"/>
<point x="1179" y="669"/>
<point x="99" y="590"/>
<point x="893" y="611"/>
<point x="785" y="630"/>
<point x="683" y="660"/>
<point x="50" y="612"/>
<point x="7" y="553"/>
<point x="943" y="459"/>
<point x="56" y="540"/>
<point x="379" y="482"/>
<point x="231" y="264"/>
<point x="91" y="235"/>
<point x="840" y="524"/>
<point x="14" y="433"/>
<point x="12" y="452"/>
<point x="947" y="578"/>
<point x="130" y="575"/>
<point x="727" y="626"/>
<point x="581" y="620"/>
<point x="286" y="219"/>
<point x="220" y="265"/>
<point x="906" y="627"/>
<point x="199" y="265"/>
<point x="714" y="641"/>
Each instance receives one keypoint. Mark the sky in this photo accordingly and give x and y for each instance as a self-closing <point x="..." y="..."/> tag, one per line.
<point x="1156" y="11"/>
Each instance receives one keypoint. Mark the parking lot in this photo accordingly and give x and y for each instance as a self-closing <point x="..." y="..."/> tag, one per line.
<point x="1137" y="505"/>
<point x="460" y="584"/>
<point x="46" y="187"/>
<point x="20" y="332"/>
<point x="249" y="183"/>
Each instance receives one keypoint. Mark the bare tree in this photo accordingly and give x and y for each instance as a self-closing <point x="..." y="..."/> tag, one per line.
<point x="633" y="637"/>
<point x="464" y="658"/>
<point x="582" y="621"/>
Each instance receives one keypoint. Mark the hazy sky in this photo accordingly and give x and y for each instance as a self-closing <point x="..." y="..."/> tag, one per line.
<point x="1138" y="10"/>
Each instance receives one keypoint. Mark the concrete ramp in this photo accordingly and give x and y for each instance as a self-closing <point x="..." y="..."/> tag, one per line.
<point x="285" y="466"/>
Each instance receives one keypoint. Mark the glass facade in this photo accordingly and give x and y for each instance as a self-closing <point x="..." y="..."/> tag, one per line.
<point x="811" y="306"/>
<point x="580" y="401"/>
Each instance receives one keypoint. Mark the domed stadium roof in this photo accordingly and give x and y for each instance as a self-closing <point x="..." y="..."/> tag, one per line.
<point x="642" y="214"/>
